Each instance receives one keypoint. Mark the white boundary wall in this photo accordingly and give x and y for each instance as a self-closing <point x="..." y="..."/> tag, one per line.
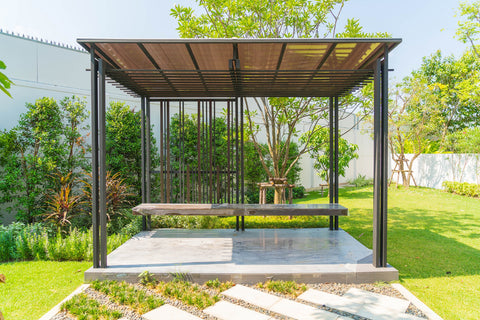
<point x="430" y="170"/>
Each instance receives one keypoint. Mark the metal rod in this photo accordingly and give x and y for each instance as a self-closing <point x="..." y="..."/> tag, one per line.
<point x="377" y="175"/>
<point x="143" y="157"/>
<point x="102" y="200"/>
<point x="94" y="120"/>
<point x="384" y="157"/>
<point x="336" y="158"/>
<point x="331" y="162"/>
<point x="148" y="182"/>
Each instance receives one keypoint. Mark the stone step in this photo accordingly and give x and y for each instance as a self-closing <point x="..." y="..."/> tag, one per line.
<point x="361" y="303"/>
<point x="278" y="305"/>
<point x="225" y="310"/>
<point x="169" y="312"/>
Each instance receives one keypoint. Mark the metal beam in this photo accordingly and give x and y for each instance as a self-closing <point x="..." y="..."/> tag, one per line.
<point x="336" y="137"/>
<point x="331" y="160"/>
<point x="102" y="199"/>
<point x="143" y="158"/>
<point x="94" y="121"/>
<point x="148" y="158"/>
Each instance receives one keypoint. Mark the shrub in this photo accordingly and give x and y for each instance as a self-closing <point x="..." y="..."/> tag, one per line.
<point x="462" y="188"/>
<point x="361" y="181"/>
<point x="85" y="308"/>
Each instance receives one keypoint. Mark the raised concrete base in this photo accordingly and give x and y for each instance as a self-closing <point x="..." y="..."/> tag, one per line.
<point x="303" y="255"/>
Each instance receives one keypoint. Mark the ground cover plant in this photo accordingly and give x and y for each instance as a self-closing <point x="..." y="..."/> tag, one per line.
<point x="187" y="292"/>
<point x="127" y="294"/>
<point x="84" y="308"/>
<point x="288" y="288"/>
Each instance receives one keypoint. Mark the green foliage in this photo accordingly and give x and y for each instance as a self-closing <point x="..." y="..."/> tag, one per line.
<point x="219" y="286"/>
<point x="130" y="295"/>
<point x="464" y="141"/>
<point x="186" y="222"/>
<point x="38" y="242"/>
<point x="123" y="147"/>
<point x="46" y="140"/>
<point x="462" y="188"/>
<point x="82" y="307"/>
<point x="5" y="82"/>
<point x="469" y="27"/>
<point x="320" y="151"/>
<point x="361" y="181"/>
<point x="289" y="288"/>
<point x="189" y="293"/>
<point x="147" y="279"/>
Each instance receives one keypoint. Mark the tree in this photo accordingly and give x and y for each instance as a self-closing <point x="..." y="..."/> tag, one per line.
<point x="123" y="146"/>
<point x="469" y="27"/>
<point x="271" y="19"/>
<point x="415" y="120"/>
<point x="36" y="156"/>
<point x="5" y="82"/>
<point x="320" y="151"/>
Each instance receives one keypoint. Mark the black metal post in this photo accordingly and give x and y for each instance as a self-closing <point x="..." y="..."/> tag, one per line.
<point x="237" y="226"/>
<point x="143" y="160"/>
<point x="94" y="120"/>
<point x="380" y="161"/>
<point x="336" y="137"/>
<point x="242" y="161"/>
<point x="331" y="162"/>
<point x="148" y="159"/>
<point x="102" y="199"/>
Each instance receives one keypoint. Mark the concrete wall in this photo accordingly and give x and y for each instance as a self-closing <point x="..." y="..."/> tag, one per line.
<point x="430" y="170"/>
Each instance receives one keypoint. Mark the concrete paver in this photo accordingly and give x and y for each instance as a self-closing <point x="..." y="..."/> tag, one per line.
<point x="225" y="310"/>
<point x="169" y="312"/>
<point x="256" y="297"/>
<point x="365" y="297"/>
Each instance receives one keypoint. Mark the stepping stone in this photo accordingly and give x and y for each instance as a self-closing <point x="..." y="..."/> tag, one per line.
<point x="361" y="303"/>
<point x="365" y="297"/>
<point x="277" y="304"/>
<point x="169" y="312"/>
<point x="225" y="310"/>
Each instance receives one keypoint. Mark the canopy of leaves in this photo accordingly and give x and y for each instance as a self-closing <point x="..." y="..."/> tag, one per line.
<point x="5" y="82"/>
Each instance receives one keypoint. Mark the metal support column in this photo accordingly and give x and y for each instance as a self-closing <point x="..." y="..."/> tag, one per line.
<point x="380" y="161"/>
<point x="148" y="159"/>
<point x="242" y="162"/>
<point x="336" y="137"/>
<point x="102" y="199"/>
<point x="94" y="120"/>
<point x="331" y="162"/>
<point x="143" y="159"/>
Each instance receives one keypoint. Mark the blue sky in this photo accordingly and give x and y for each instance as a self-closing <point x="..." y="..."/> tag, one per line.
<point x="424" y="25"/>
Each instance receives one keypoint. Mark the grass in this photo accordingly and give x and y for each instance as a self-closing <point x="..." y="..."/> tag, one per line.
<point x="127" y="294"/>
<point x="189" y="293"/>
<point x="289" y="288"/>
<point x="85" y="308"/>
<point x="433" y="240"/>
<point x="32" y="288"/>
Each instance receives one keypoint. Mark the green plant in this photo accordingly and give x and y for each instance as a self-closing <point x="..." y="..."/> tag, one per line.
<point x="361" y="181"/>
<point x="124" y="293"/>
<point x="123" y="147"/>
<point x="187" y="292"/>
<point x="147" y="279"/>
<point x="219" y="286"/>
<point x="462" y="188"/>
<point x="82" y="307"/>
<point x="5" y="82"/>
<point x="290" y="288"/>
<point x="318" y="140"/>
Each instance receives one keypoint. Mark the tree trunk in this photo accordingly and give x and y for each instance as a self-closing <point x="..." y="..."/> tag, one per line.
<point x="278" y="195"/>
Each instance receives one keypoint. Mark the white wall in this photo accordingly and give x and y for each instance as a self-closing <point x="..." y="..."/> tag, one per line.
<point x="430" y="170"/>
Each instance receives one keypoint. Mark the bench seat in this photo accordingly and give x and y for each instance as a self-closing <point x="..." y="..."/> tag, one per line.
<point x="200" y="209"/>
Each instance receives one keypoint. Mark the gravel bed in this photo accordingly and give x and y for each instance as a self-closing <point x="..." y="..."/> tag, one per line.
<point x="62" y="316"/>
<point x="178" y="304"/>
<point x="105" y="300"/>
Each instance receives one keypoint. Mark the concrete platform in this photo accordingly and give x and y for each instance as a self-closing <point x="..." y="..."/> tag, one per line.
<point x="303" y="255"/>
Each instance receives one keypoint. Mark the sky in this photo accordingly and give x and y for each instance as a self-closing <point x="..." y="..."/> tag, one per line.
<point x="424" y="25"/>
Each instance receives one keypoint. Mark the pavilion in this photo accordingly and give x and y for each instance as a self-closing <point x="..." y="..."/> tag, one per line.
<point x="209" y="71"/>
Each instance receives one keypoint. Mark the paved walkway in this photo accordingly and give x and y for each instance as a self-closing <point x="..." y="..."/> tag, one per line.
<point x="247" y="303"/>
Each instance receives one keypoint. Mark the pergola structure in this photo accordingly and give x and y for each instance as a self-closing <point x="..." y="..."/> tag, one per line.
<point x="206" y="70"/>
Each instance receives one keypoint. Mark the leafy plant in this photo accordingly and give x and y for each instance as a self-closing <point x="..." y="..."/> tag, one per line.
<point x="187" y="292"/>
<point x="462" y="188"/>
<point x="127" y="294"/>
<point x="82" y="307"/>
<point x="147" y="279"/>
<point x="5" y="82"/>
<point x="361" y="181"/>
<point x="290" y="288"/>
<point x="219" y="286"/>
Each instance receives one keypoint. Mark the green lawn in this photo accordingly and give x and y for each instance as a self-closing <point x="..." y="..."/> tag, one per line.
<point x="34" y="287"/>
<point x="433" y="240"/>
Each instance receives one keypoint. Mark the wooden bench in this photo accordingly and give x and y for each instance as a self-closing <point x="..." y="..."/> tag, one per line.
<point x="227" y="210"/>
